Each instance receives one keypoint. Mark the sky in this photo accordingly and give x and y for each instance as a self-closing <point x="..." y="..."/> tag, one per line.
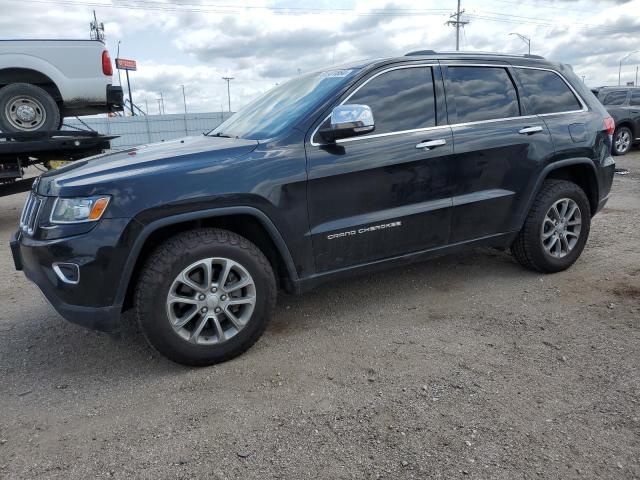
<point x="261" y="43"/>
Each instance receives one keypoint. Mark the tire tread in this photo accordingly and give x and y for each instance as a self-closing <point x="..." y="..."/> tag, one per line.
<point x="161" y="262"/>
<point x="527" y="243"/>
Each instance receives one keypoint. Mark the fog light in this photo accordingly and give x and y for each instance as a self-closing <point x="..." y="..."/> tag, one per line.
<point x="67" y="272"/>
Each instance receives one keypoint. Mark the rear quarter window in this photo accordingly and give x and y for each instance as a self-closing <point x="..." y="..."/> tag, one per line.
<point x="616" y="97"/>
<point x="635" y="99"/>
<point x="481" y="93"/>
<point x="545" y="92"/>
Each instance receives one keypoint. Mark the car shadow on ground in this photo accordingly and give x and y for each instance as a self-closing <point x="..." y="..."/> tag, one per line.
<point x="45" y="343"/>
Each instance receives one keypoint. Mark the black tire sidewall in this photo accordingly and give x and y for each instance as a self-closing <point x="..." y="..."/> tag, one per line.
<point x="52" y="120"/>
<point x="552" y="264"/>
<point x="615" y="135"/>
<point x="155" y="322"/>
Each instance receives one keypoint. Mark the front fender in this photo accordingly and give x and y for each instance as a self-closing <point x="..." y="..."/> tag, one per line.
<point x="148" y="229"/>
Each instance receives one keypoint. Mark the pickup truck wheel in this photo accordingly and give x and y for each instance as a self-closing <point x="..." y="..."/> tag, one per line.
<point x="622" y="139"/>
<point x="205" y="296"/>
<point x="556" y="229"/>
<point x="27" y="108"/>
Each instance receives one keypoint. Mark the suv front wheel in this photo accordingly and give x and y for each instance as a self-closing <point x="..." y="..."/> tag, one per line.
<point x="205" y="296"/>
<point x="556" y="228"/>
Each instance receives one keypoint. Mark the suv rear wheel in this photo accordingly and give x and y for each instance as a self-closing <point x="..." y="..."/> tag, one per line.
<point x="556" y="229"/>
<point x="205" y="296"/>
<point x="27" y="108"/>
<point x="622" y="140"/>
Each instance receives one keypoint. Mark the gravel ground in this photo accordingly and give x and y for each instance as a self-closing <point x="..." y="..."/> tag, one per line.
<point x="465" y="366"/>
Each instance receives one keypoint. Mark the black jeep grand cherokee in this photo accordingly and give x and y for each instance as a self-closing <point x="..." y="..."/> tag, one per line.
<point x="341" y="171"/>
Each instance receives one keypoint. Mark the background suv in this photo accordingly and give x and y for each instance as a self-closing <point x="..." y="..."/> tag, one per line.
<point x="623" y="104"/>
<point x="340" y="171"/>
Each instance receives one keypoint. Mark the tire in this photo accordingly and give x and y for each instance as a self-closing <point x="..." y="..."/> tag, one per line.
<point x="27" y="108"/>
<point x="539" y="230"/>
<point x="622" y="140"/>
<point x="190" y="252"/>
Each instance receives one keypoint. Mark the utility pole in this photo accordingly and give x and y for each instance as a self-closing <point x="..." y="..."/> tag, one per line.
<point x="622" y="60"/>
<point x="184" y="100"/>
<point x="228" y="80"/>
<point x="457" y="23"/>
<point x="524" y="38"/>
<point x="162" y="102"/>
<point x="118" y="56"/>
<point x="96" y="30"/>
<point x="636" y="84"/>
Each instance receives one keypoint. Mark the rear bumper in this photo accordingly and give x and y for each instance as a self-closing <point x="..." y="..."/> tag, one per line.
<point x="115" y="97"/>
<point x="29" y="260"/>
<point x="605" y="180"/>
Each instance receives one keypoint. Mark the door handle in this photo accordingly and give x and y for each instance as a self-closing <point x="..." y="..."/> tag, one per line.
<point x="530" y="130"/>
<point x="429" y="144"/>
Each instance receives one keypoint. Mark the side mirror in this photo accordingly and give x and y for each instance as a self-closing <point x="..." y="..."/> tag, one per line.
<point x="349" y="121"/>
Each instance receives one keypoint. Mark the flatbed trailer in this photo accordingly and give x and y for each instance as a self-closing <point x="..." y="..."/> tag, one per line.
<point x="24" y="149"/>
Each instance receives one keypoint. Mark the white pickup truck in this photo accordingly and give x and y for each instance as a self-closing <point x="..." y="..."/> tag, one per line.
<point x="43" y="81"/>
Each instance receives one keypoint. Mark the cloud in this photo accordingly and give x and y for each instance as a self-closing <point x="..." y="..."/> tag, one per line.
<point x="263" y="43"/>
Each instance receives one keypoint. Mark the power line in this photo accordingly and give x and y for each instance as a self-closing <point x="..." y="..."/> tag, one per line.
<point x="238" y="9"/>
<point x="294" y="11"/>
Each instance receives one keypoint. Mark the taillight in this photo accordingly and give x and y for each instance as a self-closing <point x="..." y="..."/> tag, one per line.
<point x="610" y="125"/>
<point x="107" y="69"/>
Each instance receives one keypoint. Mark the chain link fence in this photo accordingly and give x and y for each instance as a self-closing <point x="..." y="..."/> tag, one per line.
<point x="144" y="129"/>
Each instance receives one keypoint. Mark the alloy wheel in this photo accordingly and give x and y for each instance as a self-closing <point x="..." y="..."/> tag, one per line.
<point x="561" y="228"/>
<point x="623" y="141"/>
<point x="211" y="301"/>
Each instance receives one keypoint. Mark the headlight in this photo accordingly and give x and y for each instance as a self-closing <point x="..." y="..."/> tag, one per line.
<point x="78" y="210"/>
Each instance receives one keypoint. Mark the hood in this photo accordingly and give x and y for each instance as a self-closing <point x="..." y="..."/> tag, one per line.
<point x="101" y="173"/>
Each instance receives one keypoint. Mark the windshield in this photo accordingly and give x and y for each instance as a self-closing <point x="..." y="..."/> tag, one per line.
<point x="282" y="106"/>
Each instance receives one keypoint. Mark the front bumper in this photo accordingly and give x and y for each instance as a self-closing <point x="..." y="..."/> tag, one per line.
<point x="115" y="98"/>
<point x="92" y="302"/>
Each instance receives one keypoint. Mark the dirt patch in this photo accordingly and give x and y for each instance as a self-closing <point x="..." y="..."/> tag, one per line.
<point x="467" y="366"/>
<point x="627" y="290"/>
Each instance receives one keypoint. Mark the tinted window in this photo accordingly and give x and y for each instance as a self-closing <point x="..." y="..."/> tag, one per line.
<point x="545" y="92"/>
<point x="481" y="93"/>
<point x="400" y="99"/>
<point x="635" y="99"/>
<point x="615" y="98"/>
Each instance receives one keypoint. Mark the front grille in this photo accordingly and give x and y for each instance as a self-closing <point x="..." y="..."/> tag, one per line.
<point x="29" y="217"/>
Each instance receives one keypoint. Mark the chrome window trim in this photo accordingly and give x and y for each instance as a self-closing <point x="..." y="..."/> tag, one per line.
<point x="401" y="67"/>
<point x="378" y="135"/>
<point x="585" y="108"/>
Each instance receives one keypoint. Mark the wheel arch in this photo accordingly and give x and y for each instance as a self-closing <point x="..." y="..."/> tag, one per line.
<point x="10" y="76"/>
<point x="630" y="125"/>
<point x="248" y="222"/>
<point x="582" y="172"/>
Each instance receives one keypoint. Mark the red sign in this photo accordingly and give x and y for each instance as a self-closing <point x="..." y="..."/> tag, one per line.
<point x="124" y="64"/>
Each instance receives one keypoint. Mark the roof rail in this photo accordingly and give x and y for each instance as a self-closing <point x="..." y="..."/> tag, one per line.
<point x="433" y="52"/>
<point x="420" y="52"/>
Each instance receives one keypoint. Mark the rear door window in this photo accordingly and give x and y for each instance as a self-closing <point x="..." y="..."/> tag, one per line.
<point x="635" y="99"/>
<point x="481" y="93"/>
<point x="545" y="92"/>
<point x="616" y="97"/>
